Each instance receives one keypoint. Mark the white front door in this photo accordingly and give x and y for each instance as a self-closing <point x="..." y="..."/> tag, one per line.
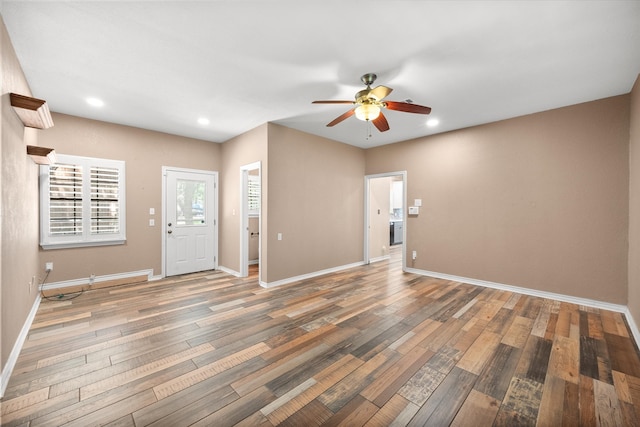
<point x="190" y="221"/>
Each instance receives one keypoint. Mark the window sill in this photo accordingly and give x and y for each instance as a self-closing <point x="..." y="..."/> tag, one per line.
<point x="68" y="245"/>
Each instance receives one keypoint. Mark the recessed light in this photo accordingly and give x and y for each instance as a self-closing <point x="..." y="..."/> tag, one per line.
<point x="203" y="121"/>
<point x="433" y="122"/>
<point x="95" y="102"/>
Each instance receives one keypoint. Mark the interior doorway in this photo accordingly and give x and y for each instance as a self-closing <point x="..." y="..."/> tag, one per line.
<point x="250" y="215"/>
<point x="385" y="214"/>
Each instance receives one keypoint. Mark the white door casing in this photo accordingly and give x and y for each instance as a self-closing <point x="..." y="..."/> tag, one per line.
<point x="367" y="219"/>
<point x="190" y="217"/>
<point x="244" y="218"/>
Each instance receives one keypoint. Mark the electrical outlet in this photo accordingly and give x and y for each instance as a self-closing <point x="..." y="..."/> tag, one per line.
<point x="92" y="279"/>
<point x="414" y="255"/>
<point x="48" y="267"/>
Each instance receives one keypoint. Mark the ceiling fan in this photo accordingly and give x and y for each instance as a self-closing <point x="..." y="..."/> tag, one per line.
<point x="369" y="103"/>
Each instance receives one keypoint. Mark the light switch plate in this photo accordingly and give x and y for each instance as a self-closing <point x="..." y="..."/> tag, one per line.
<point x="417" y="202"/>
<point x="414" y="210"/>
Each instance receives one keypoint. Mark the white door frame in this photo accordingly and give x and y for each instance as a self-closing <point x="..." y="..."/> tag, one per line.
<point x="164" y="212"/>
<point x="367" y="220"/>
<point x="244" y="218"/>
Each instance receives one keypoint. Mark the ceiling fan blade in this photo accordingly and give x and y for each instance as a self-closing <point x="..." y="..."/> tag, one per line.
<point x="332" y="102"/>
<point x="381" y="123"/>
<point x="380" y="92"/>
<point x="407" y="108"/>
<point x="342" y="117"/>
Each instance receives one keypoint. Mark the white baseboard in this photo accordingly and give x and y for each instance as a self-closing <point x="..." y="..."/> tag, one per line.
<point x="619" y="308"/>
<point x="309" y="275"/>
<point x="254" y="261"/>
<point x="229" y="271"/>
<point x="632" y="325"/>
<point x="17" y="347"/>
<point x="98" y="279"/>
<point x="380" y="258"/>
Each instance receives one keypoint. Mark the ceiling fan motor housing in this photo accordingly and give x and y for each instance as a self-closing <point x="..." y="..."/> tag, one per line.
<point x="368" y="78"/>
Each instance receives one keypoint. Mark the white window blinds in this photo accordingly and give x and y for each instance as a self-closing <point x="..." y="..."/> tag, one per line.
<point x="253" y="187"/>
<point x="105" y="200"/>
<point x="82" y="202"/>
<point x="65" y="200"/>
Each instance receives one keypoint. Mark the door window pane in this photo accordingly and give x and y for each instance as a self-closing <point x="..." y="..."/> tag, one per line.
<point x="190" y="202"/>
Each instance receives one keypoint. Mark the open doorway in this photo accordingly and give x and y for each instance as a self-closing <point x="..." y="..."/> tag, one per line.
<point x="384" y="235"/>
<point x="250" y="224"/>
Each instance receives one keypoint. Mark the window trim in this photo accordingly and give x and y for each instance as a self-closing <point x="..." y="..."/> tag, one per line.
<point x="86" y="239"/>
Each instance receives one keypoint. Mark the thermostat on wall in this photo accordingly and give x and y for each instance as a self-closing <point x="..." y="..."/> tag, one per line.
<point x="413" y="210"/>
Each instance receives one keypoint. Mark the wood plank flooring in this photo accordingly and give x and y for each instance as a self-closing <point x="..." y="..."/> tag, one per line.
<point x="371" y="346"/>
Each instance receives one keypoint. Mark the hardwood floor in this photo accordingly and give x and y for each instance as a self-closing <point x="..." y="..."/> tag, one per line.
<point x="370" y="346"/>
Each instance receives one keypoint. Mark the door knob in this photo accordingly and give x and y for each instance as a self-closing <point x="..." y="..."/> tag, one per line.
<point x="169" y="224"/>
<point x="170" y="231"/>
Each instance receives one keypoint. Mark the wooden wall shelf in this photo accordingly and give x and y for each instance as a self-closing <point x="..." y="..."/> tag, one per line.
<point x="42" y="155"/>
<point x="33" y="112"/>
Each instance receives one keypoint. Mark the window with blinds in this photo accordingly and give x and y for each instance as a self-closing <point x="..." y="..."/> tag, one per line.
<point x="253" y="193"/>
<point x="82" y="202"/>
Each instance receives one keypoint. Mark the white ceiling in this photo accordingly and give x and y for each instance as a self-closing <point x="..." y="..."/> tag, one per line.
<point x="161" y="65"/>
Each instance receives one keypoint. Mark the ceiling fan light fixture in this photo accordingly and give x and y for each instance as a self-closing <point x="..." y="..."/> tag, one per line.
<point x="367" y="112"/>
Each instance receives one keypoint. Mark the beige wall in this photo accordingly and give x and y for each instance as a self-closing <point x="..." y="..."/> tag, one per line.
<point x="379" y="205"/>
<point x="242" y="150"/>
<point x="539" y="201"/>
<point x="634" y="204"/>
<point x="316" y="200"/>
<point x="145" y="152"/>
<point x="19" y="206"/>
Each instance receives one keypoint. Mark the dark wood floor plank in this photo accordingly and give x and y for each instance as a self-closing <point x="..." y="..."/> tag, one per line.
<point x="535" y="359"/>
<point x="343" y="391"/>
<point x="496" y="375"/>
<point x="623" y="354"/>
<point x="443" y="405"/>
<point x="312" y="414"/>
<point x="357" y="412"/>
<point x="238" y="410"/>
<point x="386" y="385"/>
